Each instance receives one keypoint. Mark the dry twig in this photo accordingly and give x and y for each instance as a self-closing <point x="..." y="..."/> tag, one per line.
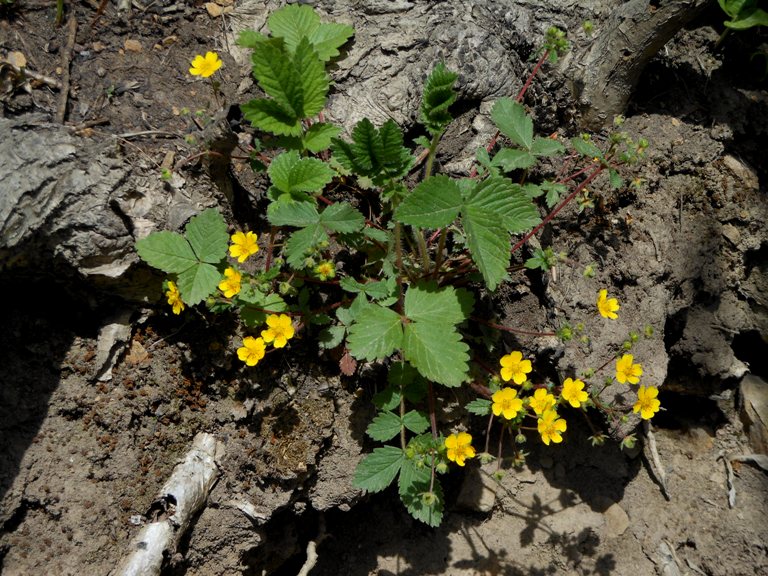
<point x="66" y="60"/>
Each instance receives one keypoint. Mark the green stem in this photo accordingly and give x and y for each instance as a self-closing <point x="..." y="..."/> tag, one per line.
<point x="422" y="244"/>
<point x="431" y="155"/>
<point x="440" y="248"/>
<point x="59" y="12"/>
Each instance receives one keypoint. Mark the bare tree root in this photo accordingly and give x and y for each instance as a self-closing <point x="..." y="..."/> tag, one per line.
<point x="182" y="496"/>
<point x="630" y="37"/>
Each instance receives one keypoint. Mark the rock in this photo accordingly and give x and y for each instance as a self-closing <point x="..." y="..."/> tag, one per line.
<point x="753" y="410"/>
<point x="132" y="45"/>
<point x="478" y="492"/>
<point x="616" y="519"/>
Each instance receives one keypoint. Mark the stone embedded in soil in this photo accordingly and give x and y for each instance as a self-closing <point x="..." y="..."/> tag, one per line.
<point x="478" y="491"/>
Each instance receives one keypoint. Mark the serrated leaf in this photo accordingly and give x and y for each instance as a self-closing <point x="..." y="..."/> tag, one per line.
<point x="197" y="283"/>
<point x="331" y="337"/>
<point x="507" y="201"/>
<point x="554" y="191"/>
<point x="277" y="75"/>
<point x="166" y="251"/>
<point x="435" y="349"/>
<point x="375" y="290"/>
<point x="509" y="159"/>
<point x="479" y="406"/>
<point x="376" y="333"/>
<point x="293" y="22"/>
<point x="438" y="97"/>
<point x="387" y="399"/>
<point x="434" y="203"/>
<point x="258" y="305"/>
<point x="301" y="242"/>
<point x="377" y="470"/>
<point x="290" y="173"/>
<point x="586" y="148"/>
<point x="412" y="496"/>
<point x="207" y="234"/>
<point x="426" y="302"/>
<point x="615" y="179"/>
<point x="394" y="157"/>
<point x="413" y="478"/>
<point x="269" y="116"/>
<point x="342" y="217"/>
<point x="360" y="156"/>
<point x="488" y="243"/>
<point x="512" y="121"/>
<point x="546" y="147"/>
<point x="314" y="80"/>
<point x="415" y="421"/>
<point x="318" y="136"/>
<point x="288" y="213"/>
<point x="384" y="426"/>
<point x="250" y="38"/>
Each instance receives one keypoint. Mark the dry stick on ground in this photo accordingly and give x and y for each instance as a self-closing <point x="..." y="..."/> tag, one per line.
<point x="655" y="459"/>
<point x="66" y="59"/>
<point x="26" y="72"/>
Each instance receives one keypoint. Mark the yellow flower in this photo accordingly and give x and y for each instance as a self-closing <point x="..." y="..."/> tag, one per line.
<point x="230" y="285"/>
<point x="573" y="392"/>
<point x="174" y="298"/>
<point x="325" y="270"/>
<point x="506" y="402"/>
<point x="647" y="403"/>
<point x="541" y="401"/>
<point x="607" y="306"/>
<point x="551" y="427"/>
<point x="252" y="351"/>
<point x="459" y="447"/>
<point x="626" y="371"/>
<point x="280" y="330"/>
<point x="513" y="367"/>
<point x="205" y="66"/>
<point x="243" y="245"/>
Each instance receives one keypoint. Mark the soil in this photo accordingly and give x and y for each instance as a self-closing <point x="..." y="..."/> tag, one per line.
<point x="94" y="417"/>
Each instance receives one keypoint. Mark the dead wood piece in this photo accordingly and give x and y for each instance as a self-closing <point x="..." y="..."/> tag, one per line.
<point x="66" y="60"/>
<point x="658" y="467"/>
<point x="182" y="496"/>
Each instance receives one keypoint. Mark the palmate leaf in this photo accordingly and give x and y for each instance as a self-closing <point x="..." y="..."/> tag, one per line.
<point x="413" y="483"/>
<point x="438" y="97"/>
<point x="507" y="200"/>
<point x="479" y="407"/>
<point x="377" y="470"/>
<point x="509" y="159"/>
<point x="293" y="22"/>
<point x="512" y="121"/>
<point x="415" y="421"/>
<point x="291" y="213"/>
<point x="342" y="217"/>
<point x="301" y="242"/>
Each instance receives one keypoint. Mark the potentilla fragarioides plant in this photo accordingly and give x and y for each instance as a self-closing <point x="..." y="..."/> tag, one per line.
<point x="422" y="254"/>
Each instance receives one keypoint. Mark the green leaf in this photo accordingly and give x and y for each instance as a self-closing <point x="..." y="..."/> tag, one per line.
<point x="387" y="399"/>
<point x="375" y="289"/>
<point x="197" y="283"/>
<point x="207" y="234"/>
<point x="488" y="243"/>
<point x="509" y="159"/>
<point x="166" y="251"/>
<point x="512" y="121"/>
<point x="395" y="160"/>
<point x="258" y="305"/>
<point x="427" y="303"/>
<point x="331" y="337"/>
<point x="293" y="22"/>
<point x="586" y="148"/>
<point x="546" y="147"/>
<point x="434" y="203"/>
<point x="314" y="80"/>
<point x="318" y="136"/>
<point x="301" y="242"/>
<point x="288" y="213"/>
<point x="376" y="333"/>
<point x="412" y="491"/>
<point x="479" y="406"/>
<point x="438" y="97"/>
<point x="554" y="192"/>
<point x="415" y="421"/>
<point x="269" y="116"/>
<point x="342" y="217"/>
<point x="377" y="470"/>
<point x="413" y="478"/>
<point x="615" y="179"/>
<point x="250" y="38"/>
<point x="435" y="349"/>
<point x="507" y="200"/>
<point x="375" y="154"/>
<point x="290" y="173"/>
<point x="385" y="426"/>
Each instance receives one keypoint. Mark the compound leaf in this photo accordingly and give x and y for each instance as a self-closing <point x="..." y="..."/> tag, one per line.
<point x="479" y="407"/>
<point x="509" y="159"/>
<point x="507" y="201"/>
<point x="314" y="80"/>
<point x="546" y="147"/>
<point x="376" y="333"/>
<point x="434" y="203"/>
<point x="198" y="282"/>
<point x="289" y="213"/>
<point x="427" y="303"/>
<point x="342" y="217"/>
<point x="488" y="243"/>
<point x="290" y="173"/>
<point x="415" y="421"/>
<point x="329" y="37"/>
<point x="512" y="121"/>
<point x="269" y="116"/>
<point x="301" y="243"/>
<point x="412" y="493"/>
<point x="377" y="470"/>
<point x="292" y="23"/>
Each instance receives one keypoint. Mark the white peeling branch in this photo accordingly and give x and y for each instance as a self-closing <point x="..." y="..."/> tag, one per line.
<point x="182" y="496"/>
